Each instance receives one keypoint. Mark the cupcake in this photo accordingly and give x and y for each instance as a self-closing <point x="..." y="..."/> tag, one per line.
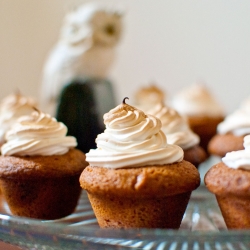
<point x="40" y="169"/>
<point x="134" y="178"/>
<point x="11" y="108"/>
<point x="229" y="180"/>
<point x="147" y="97"/>
<point x="230" y="133"/>
<point x="202" y="111"/>
<point x="178" y="132"/>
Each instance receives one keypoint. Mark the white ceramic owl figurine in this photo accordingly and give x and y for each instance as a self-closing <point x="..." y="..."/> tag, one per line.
<point x="86" y="48"/>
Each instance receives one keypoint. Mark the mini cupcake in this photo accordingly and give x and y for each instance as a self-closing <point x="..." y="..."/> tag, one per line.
<point x="40" y="169"/>
<point x="229" y="180"/>
<point x="230" y="133"/>
<point x="11" y="108"/>
<point x="178" y="132"/>
<point x="148" y="97"/>
<point x="203" y="112"/>
<point x="134" y="178"/>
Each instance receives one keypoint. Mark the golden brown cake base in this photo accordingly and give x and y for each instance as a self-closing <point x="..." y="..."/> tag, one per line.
<point x="222" y="144"/>
<point x="196" y="155"/>
<point x="43" y="187"/>
<point x="118" y="212"/>
<point x="43" y="198"/>
<point x="205" y="127"/>
<point x="143" y="197"/>
<point x="232" y="190"/>
<point x="235" y="211"/>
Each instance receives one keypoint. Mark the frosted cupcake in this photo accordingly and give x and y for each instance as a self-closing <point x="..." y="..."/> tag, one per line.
<point x="11" y="108"/>
<point x="203" y="112"/>
<point x="230" y="133"/>
<point x="179" y="133"/>
<point x="40" y="169"/>
<point x="135" y="179"/>
<point x="229" y="180"/>
<point x="147" y="98"/>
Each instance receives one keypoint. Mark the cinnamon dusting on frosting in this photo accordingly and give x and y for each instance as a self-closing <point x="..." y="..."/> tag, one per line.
<point x="37" y="134"/>
<point x="117" y="111"/>
<point x="132" y="138"/>
<point x="11" y="108"/>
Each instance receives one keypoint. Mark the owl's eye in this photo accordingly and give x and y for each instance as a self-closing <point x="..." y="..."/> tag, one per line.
<point x="109" y="29"/>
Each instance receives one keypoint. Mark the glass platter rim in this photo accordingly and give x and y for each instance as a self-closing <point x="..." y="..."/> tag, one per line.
<point x="34" y="229"/>
<point x="12" y="222"/>
<point x="89" y="237"/>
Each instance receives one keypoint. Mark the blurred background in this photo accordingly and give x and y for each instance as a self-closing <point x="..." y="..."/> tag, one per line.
<point x="170" y="43"/>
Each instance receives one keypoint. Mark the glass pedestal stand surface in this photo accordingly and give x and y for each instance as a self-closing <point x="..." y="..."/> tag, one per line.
<point x="202" y="228"/>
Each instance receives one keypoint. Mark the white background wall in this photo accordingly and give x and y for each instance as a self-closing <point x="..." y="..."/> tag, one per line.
<point x="173" y="43"/>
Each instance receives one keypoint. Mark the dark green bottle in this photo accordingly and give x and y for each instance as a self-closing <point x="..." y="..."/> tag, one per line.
<point x="81" y="106"/>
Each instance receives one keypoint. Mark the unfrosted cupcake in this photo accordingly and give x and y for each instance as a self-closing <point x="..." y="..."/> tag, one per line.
<point x="230" y="133"/>
<point x="179" y="133"/>
<point x="134" y="178"/>
<point x="229" y="180"/>
<point x="203" y="112"/>
<point x="40" y="169"/>
<point x="11" y="108"/>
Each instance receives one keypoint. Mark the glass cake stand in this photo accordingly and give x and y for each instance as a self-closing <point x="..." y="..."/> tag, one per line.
<point x="202" y="227"/>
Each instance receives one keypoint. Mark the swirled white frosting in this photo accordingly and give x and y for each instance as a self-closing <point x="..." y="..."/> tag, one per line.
<point x="197" y="101"/>
<point x="37" y="134"/>
<point x="11" y="108"/>
<point x="239" y="159"/>
<point x="147" y="97"/>
<point x="237" y="123"/>
<point x="132" y="139"/>
<point x="175" y="127"/>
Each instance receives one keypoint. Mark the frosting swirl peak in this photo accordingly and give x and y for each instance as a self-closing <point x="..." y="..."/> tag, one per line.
<point x="197" y="101"/>
<point x="37" y="134"/>
<point x="11" y="108"/>
<point x="132" y="139"/>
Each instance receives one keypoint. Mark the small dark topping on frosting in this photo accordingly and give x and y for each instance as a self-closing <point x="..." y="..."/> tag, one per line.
<point x="37" y="110"/>
<point x="125" y="100"/>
